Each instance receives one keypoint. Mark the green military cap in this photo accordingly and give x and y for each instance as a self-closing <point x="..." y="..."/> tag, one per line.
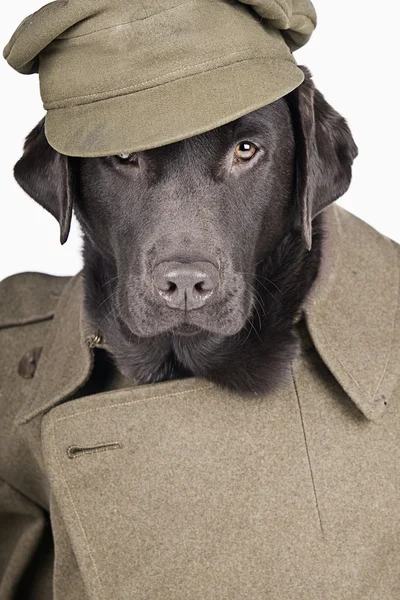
<point x="124" y="76"/>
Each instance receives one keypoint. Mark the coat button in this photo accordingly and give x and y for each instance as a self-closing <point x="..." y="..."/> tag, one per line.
<point x="94" y="340"/>
<point x="28" y="363"/>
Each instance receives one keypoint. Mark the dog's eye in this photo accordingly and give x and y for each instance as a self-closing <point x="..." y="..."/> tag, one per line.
<point x="124" y="157"/>
<point x="245" y="150"/>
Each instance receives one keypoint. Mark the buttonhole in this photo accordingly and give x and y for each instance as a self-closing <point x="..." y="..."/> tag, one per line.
<point x="75" y="451"/>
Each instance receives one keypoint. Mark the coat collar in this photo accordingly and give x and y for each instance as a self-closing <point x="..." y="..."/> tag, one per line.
<point x="353" y="313"/>
<point x="352" y="316"/>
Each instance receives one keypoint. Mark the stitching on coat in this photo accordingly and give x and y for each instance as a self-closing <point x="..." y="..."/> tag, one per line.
<point x="339" y="264"/>
<point x="369" y="396"/>
<point x="133" y="402"/>
<point x="76" y="513"/>
<point x="391" y="342"/>
<point x="50" y="105"/>
<point x="326" y="341"/>
<point x="308" y="454"/>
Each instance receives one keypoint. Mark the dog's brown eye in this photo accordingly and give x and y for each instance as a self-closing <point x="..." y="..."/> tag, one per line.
<point x="245" y="150"/>
<point x="124" y="157"/>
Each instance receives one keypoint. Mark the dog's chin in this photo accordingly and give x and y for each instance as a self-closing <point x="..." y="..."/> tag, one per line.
<point x="148" y="320"/>
<point x="186" y="330"/>
<point x="179" y="325"/>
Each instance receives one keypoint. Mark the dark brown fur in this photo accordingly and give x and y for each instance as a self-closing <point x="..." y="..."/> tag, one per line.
<point x="185" y="201"/>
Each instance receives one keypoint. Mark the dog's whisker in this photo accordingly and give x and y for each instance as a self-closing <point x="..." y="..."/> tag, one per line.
<point x="255" y="331"/>
<point x="247" y="337"/>
<point x="258" y="298"/>
<point x="108" y="298"/>
<point x="250" y="320"/>
<point x="269" y="292"/>
<point x="259" y="317"/>
<point x="269" y="281"/>
<point x="254" y="307"/>
<point x="109" y="281"/>
<point x="106" y="317"/>
<point x="266" y="289"/>
<point x="257" y="276"/>
<point x="251" y="293"/>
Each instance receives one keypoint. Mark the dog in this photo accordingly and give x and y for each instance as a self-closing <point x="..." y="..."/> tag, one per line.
<point x="198" y="255"/>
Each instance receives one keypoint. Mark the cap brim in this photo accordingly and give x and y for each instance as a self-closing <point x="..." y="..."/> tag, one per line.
<point x="172" y="111"/>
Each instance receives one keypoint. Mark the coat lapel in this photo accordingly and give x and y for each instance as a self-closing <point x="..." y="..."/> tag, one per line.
<point x="66" y="360"/>
<point x="353" y="311"/>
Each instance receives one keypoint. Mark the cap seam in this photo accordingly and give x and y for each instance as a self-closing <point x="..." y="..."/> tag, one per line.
<point x="281" y="6"/>
<point x="285" y="11"/>
<point x="312" y="21"/>
<point x="74" y="37"/>
<point x="133" y="88"/>
<point x="165" y="140"/>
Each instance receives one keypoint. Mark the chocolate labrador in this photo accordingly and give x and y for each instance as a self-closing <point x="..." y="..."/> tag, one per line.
<point x="198" y="255"/>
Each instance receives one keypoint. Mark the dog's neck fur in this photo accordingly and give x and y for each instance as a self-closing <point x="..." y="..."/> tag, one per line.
<point x="256" y="360"/>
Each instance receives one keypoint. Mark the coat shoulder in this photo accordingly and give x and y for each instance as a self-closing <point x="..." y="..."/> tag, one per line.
<point x="29" y="297"/>
<point x="352" y="223"/>
<point x="27" y="305"/>
<point x="369" y="240"/>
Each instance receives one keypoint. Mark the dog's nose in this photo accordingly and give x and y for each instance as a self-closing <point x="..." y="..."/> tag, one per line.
<point x="185" y="285"/>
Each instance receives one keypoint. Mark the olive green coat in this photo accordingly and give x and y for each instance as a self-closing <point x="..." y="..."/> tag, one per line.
<point x="182" y="491"/>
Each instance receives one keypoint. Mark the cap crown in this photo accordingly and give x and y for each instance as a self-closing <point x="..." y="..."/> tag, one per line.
<point x="88" y="51"/>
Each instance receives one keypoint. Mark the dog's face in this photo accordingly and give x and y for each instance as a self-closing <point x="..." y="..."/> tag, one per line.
<point x="184" y="225"/>
<point x="180" y="229"/>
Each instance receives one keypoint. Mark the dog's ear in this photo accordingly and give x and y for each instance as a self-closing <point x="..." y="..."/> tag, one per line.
<point x="46" y="175"/>
<point x="325" y="151"/>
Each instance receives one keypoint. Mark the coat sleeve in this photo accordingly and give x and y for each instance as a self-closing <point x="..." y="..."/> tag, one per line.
<point x="26" y="550"/>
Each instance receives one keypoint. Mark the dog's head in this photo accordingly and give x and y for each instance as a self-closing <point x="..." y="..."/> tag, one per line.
<point x="179" y="230"/>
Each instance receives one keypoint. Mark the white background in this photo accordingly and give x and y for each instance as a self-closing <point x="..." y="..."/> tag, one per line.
<point x="353" y="56"/>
